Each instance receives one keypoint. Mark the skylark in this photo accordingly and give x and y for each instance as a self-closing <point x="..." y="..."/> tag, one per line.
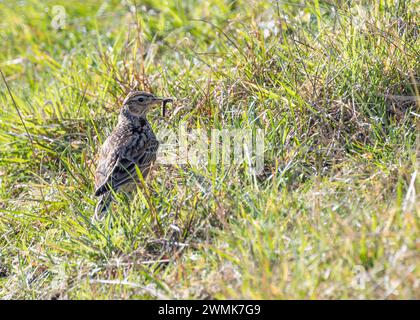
<point x="131" y="144"/>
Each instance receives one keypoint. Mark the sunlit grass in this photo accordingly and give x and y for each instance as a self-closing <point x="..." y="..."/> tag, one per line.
<point x="335" y="89"/>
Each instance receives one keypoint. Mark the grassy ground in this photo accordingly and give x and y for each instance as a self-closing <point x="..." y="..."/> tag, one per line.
<point x="335" y="214"/>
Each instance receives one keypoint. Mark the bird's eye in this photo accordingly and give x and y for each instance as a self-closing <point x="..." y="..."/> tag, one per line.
<point x="140" y="99"/>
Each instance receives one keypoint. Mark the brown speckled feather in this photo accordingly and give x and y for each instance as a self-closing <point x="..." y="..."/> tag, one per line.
<point x="132" y="143"/>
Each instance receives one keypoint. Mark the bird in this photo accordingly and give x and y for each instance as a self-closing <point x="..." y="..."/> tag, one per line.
<point x="131" y="144"/>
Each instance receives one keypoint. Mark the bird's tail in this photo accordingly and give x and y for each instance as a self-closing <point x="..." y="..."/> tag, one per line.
<point x="102" y="206"/>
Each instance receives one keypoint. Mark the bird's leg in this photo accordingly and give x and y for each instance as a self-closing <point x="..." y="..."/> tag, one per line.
<point x="102" y="206"/>
<point x="146" y="195"/>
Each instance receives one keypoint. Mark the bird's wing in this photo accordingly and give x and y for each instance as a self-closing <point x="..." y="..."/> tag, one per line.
<point x="123" y="164"/>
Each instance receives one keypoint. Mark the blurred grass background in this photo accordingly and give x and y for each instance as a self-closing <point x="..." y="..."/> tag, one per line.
<point x="334" y="85"/>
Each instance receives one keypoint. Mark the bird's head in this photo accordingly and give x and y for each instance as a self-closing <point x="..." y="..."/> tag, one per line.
<point x="139" y="102"/>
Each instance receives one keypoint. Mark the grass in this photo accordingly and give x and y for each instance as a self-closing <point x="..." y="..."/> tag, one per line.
<point x="334" y="86"/>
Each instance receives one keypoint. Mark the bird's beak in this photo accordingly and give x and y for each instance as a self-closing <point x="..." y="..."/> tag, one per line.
<point x="164" y="99"/>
